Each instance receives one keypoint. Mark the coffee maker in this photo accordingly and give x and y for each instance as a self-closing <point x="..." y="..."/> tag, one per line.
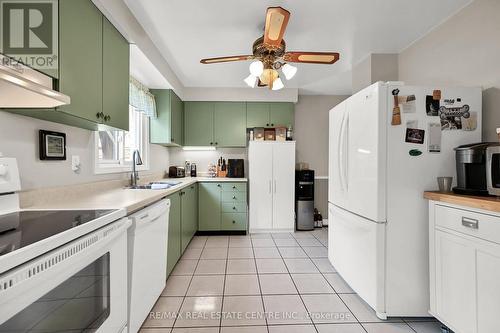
<point x="471" y="169"/>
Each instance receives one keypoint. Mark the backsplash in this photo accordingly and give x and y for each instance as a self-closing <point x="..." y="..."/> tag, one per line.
<point x="203" y="157"/>
<point x="19" y="139"/>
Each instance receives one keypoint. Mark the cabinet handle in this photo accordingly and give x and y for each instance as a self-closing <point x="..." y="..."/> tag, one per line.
<point x="107" y="118"/>
<point x="470" y="223"/>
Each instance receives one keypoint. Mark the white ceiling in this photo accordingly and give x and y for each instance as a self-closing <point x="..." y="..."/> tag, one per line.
<point x="187" y="31"/>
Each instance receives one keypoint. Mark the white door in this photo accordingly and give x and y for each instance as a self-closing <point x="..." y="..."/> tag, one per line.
<point x="455" y="281"/>
<point x="260" y="165"/>
<point x="488" y="287"/>
<point x="364" y="137"/>
<point x="337" y="194"/>
<point x="283" y="185"/>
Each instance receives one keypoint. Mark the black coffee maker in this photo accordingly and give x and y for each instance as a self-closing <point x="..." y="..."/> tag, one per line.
<point x="471" y="169"/>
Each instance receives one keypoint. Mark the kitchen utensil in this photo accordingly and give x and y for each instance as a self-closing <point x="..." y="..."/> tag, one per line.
<point x="444" y="184"/>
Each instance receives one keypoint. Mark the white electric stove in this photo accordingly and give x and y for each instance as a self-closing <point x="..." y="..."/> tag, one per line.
<point x="60" y="270"/>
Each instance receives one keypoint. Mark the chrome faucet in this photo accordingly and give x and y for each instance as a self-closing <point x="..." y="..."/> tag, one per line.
<point x="136" y="160"/>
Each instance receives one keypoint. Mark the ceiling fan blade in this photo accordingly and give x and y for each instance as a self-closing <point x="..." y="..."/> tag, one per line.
<point x="276" y="22"/>
<point x="312" y="57"/>
<point x="226" y="59"/>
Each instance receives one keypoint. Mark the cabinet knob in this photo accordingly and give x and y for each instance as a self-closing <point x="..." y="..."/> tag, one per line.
<point x="234" y="221"/>
<point x="272" y="124"/>
<point x="267" y="124"/>
<point x="172" y="139"/>
<point x="216" y="143"/>
<point x="218" y="185"/>
<point x="234" y="197"/>
<point x="211" y="143"/>
<point x="234" y="208"/>
<point x="107" y="117"/>
<point x="234" y="187"/>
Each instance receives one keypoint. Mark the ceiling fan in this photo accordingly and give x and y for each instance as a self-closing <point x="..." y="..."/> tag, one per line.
<point x="270" y="55"/>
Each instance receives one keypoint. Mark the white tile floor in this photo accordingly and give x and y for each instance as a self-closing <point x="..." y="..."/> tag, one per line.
<point x="225" y="284"/>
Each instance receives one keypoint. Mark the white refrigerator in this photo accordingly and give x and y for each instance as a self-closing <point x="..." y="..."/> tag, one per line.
<point x="378" y="228"/>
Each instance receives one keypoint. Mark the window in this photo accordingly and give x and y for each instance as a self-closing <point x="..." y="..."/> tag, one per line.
<point x="114" y="148"/>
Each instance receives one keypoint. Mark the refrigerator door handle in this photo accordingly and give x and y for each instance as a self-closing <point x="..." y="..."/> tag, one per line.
<point x="275" y="186"/>
<point x="345" y="176"/>
<point x="342" y="153"/>
<point x="270" y="186"/>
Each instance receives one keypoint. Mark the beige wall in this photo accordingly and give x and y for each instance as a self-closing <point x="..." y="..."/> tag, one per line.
<point x="19" y="139"/>
<point x="465" y="51"/>
<point x="376" y="67"/>
<point x="311" y="134"/>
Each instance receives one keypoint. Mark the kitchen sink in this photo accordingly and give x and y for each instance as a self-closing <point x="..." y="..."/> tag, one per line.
<point x="155" y="186"/>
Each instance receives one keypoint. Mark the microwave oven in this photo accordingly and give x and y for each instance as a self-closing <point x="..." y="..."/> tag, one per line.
<point x="493" y="170"/>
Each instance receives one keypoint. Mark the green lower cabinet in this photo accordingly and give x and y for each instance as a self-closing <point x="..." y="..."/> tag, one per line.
<point x="222" y="207"/>
<point x="234" y="221"/>
<point x="174" y="231"/>
<point x="189" y="216"/>
<point x="210" y="206"/>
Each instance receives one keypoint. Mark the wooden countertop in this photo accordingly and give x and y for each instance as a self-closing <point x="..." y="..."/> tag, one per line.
<point x="486" y="203"/>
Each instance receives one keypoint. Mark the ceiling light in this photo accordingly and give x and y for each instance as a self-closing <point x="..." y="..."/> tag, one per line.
<point x="256" y="68"/>
<point x="278" y="84"/>
<point x="251" y="81"/>
<point x="289" y="71"/>
<point x="268" y="76"/>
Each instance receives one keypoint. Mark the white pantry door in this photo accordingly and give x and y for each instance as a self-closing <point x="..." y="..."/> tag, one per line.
<point x="283" y="185"/>
<point x="261" y="185"/>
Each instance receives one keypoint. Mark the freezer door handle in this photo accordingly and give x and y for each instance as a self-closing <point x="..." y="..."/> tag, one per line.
<point x="270" y="186"/>
<point x="275" y="186"/>
<point x="343" y="151"/>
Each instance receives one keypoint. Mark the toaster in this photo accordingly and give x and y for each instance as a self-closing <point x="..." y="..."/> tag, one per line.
<point x="176" y="172"/>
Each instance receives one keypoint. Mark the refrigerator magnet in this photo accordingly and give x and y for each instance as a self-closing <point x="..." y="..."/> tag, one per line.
<point x="415" y="152"/>
<point x="434" y="138"/>
<point x="431" y="106"/>
<point x="436" y="95"/>
<point x="415" y="135"/>
<point x="451" y="117"/>
<point x="413" y="123"/>
<point x="470" y="124"/>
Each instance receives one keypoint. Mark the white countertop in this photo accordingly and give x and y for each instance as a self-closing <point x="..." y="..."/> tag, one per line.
<point x="131" y="200"/>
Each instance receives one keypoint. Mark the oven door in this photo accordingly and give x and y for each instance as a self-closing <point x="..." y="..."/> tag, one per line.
<point x="493" y="170"/>
<point x="78" y="287"/>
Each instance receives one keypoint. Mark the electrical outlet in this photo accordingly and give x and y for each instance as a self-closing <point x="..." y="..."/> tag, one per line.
<point x="75" y="163"/>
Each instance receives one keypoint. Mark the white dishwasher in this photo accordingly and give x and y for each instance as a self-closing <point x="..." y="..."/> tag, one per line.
<point x="147" y="261"/>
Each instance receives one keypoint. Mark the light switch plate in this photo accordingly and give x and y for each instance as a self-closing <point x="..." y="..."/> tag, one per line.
<point x="75" y="163"/>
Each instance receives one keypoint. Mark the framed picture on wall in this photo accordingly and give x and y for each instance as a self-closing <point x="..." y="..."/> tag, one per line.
<point x="52" y="145"/>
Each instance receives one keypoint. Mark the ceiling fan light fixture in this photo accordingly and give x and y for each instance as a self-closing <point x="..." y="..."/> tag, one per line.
<point x="256" y="68"/>
<point x="268" y="76"/>
<point x="289" y="71"/>
<point x="278" y="84"/>
<point x="251" y="81"/>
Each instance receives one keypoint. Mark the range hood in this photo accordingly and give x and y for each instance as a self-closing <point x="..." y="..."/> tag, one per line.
<point x="24" y="87"/>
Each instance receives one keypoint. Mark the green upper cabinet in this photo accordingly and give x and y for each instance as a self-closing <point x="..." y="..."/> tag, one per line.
<point x="260" y="114"/>
<point x="220" y="124"/>
<point x="199" y="124"/>
<point x="229" y="119"/>
<point x="257" y="114"/>
<point x="209" y="214"/>
<point x="93" y="70"/>
<point x="281" y="114"/>
<point x="115" y="76"/>
<point x="81" y="58"/>
<point x="168" y="128"/>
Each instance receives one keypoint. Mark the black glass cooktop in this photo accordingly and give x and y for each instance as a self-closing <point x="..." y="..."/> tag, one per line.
<point x="23" y="228"/>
